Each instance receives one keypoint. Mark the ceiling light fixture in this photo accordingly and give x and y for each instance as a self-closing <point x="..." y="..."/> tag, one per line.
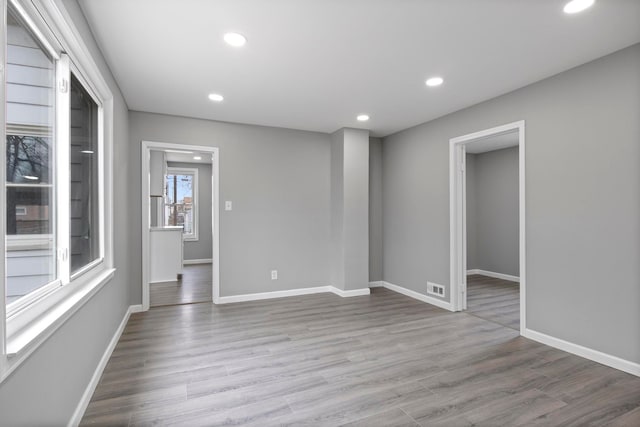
<point x="87" y="152"/>
<point x="235" y="39"/>
<point x="216" y="97"/>
<point x="362" y="118"/>
<point x="30" y="177"/>
<point x="576" y="6"/>
<point x="197" y="158"/>
<point x="434" y="81"/>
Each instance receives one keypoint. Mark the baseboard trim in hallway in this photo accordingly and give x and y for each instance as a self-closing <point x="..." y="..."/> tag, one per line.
<point x="95" y="379"/>
<point x="197" y="261"/>
<point x="412" y="294"/>
<point x="494" y="275"/>
<point x="292" y="293"/>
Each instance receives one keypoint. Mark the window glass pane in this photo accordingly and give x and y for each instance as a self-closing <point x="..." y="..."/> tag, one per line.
<point x="30" y="100"/>
<point x="179" y="205"/>
<point x="85" y="230"/>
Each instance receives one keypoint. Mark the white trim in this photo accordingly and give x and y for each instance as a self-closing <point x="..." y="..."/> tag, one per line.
<point x="38" y="332"/>
<point x="457" y="214"/>
<point x="146" y="146"/>
<point x="27" y="330"/>
<point x="588" y="353"/>
<point x="3" y="193"/>
<point x="95" y="379"/>
<point x="274" y="294"/>
<point x="413" y="294"/>
<point x="494" y="275"/>
<point x="197" y="261"/>
<point x="293" y="293"/>
<point x="350" y="292"/>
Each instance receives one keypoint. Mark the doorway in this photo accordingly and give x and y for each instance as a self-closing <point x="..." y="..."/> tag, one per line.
<point x="180" y="224"/>
<point x="477" y="285"/>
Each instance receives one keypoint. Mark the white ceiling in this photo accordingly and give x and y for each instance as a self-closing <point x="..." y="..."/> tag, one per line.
<point x="316" y="65"/>
<point x="492" y="143"/>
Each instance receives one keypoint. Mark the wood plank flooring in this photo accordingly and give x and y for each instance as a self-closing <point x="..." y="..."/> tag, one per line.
<point x="496" y="300"/>
<point x="322" y="360"/>
<point x="195" y="286"/>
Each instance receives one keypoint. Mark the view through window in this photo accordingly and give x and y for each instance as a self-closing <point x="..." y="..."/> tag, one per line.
<point x="30" y="158"/>
<point x="179" y="209"/>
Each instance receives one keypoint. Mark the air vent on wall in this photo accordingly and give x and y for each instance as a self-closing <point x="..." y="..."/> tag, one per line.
<point x="435" y="289"/>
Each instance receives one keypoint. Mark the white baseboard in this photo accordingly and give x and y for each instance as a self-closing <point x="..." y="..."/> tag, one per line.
<point x="350" y="293"/>
<point x="197" y="261"/>
<point x="494" y="275"/>
<point x="588" y="353"/>
<point x="95" y="379"/>
<point x="413" y="294"/>
<point x="292" y="293"/>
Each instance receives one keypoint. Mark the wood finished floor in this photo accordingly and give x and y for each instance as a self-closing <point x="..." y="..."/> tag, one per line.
<point x="493" y="299"/>
<point x="322" y="360"/>
<point x="195" y="286"/>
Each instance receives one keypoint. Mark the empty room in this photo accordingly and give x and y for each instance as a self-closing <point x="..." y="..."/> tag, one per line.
<point x="321" y="213"/>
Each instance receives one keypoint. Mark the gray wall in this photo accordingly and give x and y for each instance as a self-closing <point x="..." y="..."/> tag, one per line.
<point x="356" y="209"/>
<point x="203" y="247"/>
<point x="278" y="181"/>
<point x="375" y="209"/>
<point x="47" y="387"/>
<point x="582" y="198"/>
<point x="492" y="211"/>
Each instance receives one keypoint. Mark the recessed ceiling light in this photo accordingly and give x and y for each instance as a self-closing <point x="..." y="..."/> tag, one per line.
<point x="216" y="97"/>
<point x="434" y="81"/>
<point x="362" y="118"/>
<point x="575" y="6"/>
<point x="235" y="39"/>
<point x="87" y="152"/>
<point x="31" y="177"/>
<point x="197" y="158"/>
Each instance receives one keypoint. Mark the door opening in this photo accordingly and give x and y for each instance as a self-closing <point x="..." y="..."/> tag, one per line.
<point x="180" y="224"/>
<point x="505" y="251"/>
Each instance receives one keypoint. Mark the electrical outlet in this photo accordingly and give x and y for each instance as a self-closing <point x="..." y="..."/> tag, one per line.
<point x="435" y="289"/>
<point x="274" y="274"/>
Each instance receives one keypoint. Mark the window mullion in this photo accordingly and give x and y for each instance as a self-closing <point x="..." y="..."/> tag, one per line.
<point x="63" y="174"/>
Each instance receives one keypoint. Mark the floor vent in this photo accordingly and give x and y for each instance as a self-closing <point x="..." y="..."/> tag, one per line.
<point x="434" y="289"/>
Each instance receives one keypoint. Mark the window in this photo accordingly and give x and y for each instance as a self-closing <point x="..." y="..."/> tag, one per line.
<point x="84" y="156"/>
<point x="180" y="208"/>
<point x="56" y="179"/>
<point x="30" y="164"/>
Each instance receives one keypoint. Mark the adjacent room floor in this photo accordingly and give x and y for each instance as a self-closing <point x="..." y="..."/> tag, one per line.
<point x="377" y="360"/>
<point x="195" y="286"/>
<point x="493" y="299"/>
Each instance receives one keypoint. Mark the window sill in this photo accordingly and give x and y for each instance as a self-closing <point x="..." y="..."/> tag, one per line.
<point x="23" y="342"/>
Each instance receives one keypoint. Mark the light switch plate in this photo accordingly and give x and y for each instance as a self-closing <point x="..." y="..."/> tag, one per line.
<point x="228" y="206"/>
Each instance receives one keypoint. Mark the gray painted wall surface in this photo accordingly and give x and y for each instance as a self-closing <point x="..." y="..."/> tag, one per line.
<point x="582" y="198"/>
<point x="375" y="209"/>
<point x="203" y="247"/>
<point x="336" y="245"/>
<point x="492" y="185"/>
<point x="54" y="377"/>
<point x="470" y="176"/>
<point x="356" y="208"/>
<point x="278" y="181"/>
<point x="349" y="246"/>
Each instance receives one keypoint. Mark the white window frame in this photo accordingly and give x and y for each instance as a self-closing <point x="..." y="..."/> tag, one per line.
<point x="194" y="172"/>
<point x="25" y="326"/>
